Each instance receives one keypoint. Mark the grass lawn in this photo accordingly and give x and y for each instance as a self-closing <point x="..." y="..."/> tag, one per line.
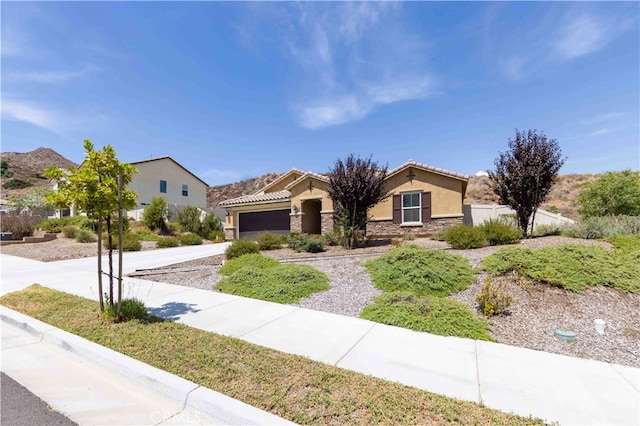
<point x="293" y="387"/>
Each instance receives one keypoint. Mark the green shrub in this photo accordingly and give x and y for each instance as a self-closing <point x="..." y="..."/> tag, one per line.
<point x="145" y="234"/>
<point x="166" y="242"/>
<point x="294" y="239"/>
<point x="84" y="236"/>
<point x="69" y="231"/>
<point x="465" y="237"/>
<point x="189" y="219"/>
<point x="312" y="244"/>
<point x="334" y="238"/>
<point x="130" y="242"/>
<point x="241" y="247"/>
<point x="440" y="236"/>
<point x="253" y="260"/>
<point x="435" y="315"/>
<point x="420" y="271"/>
<point x="190" y="239"/>
<point x="210" y="223"/>
<point x="216" y="236"/>
<point x="129" y="309"/>
<point x="498" y="232"/>
<point x="284" y="283"/>
<point x="268" y="241"/>
<point x="571" y="266"/>
<point x="547" y="230"/>
<point x="603" y="227"/>
<point x="55" y="225"/>
<point x="409" y="236"/>
<point x="492" y="300"/>
<point x="628" y="243"/>
<point x="154" y="215"/>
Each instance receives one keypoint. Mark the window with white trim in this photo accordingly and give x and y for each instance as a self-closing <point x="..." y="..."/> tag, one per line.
<point x="411" y="207"/>
<point x="163" y="186"/>
<point x="185" y="190"/>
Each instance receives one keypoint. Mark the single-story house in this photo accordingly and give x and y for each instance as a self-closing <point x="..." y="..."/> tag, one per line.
<point x="166" y="178"/>
<point x="422" y="199"/>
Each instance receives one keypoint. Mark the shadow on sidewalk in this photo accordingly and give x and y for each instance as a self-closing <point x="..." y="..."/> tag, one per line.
<point x="173" y="310"/>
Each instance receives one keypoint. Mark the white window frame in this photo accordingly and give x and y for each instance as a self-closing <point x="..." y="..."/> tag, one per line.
<point x="185" y="190"/>
<point x="419" y="206"/>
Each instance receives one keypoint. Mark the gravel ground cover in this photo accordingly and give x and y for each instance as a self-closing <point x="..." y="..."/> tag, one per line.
<point x="537" y="311"/>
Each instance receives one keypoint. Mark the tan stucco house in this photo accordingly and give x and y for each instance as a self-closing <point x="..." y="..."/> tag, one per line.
<point x="167" y="178"/>
<point x="422" y="199"/>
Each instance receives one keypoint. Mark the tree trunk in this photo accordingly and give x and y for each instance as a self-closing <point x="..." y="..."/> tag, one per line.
<point x="100" y="293"/>
<point x="110" y="261"/>
<point x="118" y="310"/>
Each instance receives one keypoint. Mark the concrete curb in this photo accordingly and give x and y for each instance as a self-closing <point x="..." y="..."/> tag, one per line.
<point x="184" y="392"/>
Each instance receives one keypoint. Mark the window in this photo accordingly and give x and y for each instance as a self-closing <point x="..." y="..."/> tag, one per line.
<point x="163" y="186"/>
<point x="411" y="207"/>
<point x="185" y="190"/>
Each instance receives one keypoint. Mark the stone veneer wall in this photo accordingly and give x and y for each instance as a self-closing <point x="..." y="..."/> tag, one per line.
<point x="387" y="228"/>
<point x="326" y="222"/>
<point x="229" y="234"/>
<point x="295" y="222"/>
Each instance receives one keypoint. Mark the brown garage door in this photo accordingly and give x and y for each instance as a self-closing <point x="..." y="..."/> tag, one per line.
<point x="276" y="221"/>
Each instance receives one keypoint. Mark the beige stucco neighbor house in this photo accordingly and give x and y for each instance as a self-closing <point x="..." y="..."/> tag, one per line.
<point x="422" y="199"/>
<point x="167" y="178"/>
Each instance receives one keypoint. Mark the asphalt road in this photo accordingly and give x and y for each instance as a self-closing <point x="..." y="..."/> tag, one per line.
<point x="21" y="407"/>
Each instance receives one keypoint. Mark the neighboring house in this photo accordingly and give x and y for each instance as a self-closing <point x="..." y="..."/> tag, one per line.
<point x="167" y="178"/>
<point x="422" y="199"/>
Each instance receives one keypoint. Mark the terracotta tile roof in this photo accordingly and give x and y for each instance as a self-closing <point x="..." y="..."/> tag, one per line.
<point x="428" y="168"/>
<point x="257" y="198"/>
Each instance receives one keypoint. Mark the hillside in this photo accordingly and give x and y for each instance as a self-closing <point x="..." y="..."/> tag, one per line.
<point x="562" y="196"/>
<point x="216" y="194"/>
<point x="26" y="169"/>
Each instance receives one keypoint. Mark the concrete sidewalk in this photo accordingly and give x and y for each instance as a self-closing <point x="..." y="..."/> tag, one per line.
<point x="553" y="387"/>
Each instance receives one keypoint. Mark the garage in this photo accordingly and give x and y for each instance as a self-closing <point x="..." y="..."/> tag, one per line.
<point x="252" y="223"/>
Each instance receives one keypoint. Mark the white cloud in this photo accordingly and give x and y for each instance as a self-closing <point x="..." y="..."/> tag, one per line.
<point x="332" y="112"/>
<point x="600" y="132"/>
<point x="22" y="111"/>
<point x="585" y="33"/>
<point x="351" y="58"/>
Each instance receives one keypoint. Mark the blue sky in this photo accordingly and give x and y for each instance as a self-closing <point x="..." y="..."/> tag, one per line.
<point x="234" y="90"/>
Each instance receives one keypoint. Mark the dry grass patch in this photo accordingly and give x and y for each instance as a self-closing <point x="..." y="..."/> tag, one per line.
<point x="293" y="387"/>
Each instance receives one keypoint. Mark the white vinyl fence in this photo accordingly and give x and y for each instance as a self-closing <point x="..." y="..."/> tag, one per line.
<point x="477" y="214"/>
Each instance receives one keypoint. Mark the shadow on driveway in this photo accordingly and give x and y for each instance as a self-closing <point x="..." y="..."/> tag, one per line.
<point x="173" y="310"/>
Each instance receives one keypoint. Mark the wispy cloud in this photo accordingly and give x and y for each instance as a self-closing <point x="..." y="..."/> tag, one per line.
<point x="553" y="38"/>
<point x="351" y="58"/>
<point x="48" y="77"/>
<point x="583" y="34"/>
<point x="598" y="132"/>
<point x="29" y="113"/>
